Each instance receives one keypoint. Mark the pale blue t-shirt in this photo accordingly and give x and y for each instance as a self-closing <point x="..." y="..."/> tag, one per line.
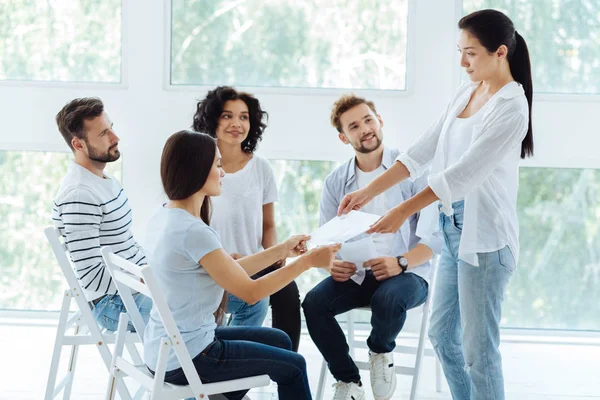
<point x="175" y="242"/>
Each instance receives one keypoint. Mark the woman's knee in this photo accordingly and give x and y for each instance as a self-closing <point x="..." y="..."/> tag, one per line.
<point x="436" y="330"/>
<point x="433" y="333"/>
<point x="299" y="362"/>
<point x="277" y="338"/>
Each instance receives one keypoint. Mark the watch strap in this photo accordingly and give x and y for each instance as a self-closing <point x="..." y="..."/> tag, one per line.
<point x="402" y="267"/>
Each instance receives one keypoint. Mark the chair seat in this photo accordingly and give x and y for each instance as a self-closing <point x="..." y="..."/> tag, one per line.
<point x="141" y="374"/>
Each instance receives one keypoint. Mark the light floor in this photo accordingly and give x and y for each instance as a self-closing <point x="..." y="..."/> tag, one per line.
<point x="532" y="371"/>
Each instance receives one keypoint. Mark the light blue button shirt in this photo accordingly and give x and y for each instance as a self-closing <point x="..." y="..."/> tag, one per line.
<point x="414" y="231"/>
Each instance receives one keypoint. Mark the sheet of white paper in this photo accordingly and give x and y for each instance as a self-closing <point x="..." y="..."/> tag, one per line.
<point x="342" y="228"/>
<point x="358" y="253"/>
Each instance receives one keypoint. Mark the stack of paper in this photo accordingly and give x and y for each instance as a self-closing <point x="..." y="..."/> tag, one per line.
<point x="358" y="252"/>
<point x="339" y="230"/>
<point x="342" y="228"/>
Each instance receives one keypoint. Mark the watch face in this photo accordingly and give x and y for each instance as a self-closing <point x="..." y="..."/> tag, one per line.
<point x="403" y="261"/>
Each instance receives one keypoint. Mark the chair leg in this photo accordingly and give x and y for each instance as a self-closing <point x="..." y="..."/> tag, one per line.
<point x="111" y="387"/>
<point x="134" y="353"/>
<point x="139" y="395"/>
<point x="137" y="360"/>
<point x="71" y="367"/>
<point x="350" y="326"/>
<point x="115" y="379"/>
<point x="438" y="376"/>
<point x="161" y="369"/>
<point x="58" y="344"/>
<point x="322" y="381"/>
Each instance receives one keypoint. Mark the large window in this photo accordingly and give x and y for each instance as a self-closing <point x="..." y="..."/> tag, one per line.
<point x="54" y="40"/>
<point x="29" y="274"/>
<point x="563" y="37"/>
<point x="554" y="286"/>
<point x="556" y="282"/>
<point x="355" y="44"/>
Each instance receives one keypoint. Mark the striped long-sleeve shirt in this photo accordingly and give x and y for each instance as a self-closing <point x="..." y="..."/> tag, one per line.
<point x="91" y="212"/>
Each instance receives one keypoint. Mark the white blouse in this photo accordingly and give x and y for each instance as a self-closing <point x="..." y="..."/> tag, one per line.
<point x="486" y="176"/>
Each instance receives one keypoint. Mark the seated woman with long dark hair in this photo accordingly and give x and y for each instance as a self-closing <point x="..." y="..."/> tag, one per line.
<point x="193" y="271"/>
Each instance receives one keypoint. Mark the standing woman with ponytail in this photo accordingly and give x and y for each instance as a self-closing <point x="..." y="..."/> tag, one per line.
<point x="473" y="150"/>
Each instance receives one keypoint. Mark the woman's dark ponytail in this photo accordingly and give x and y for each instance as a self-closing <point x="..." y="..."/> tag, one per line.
<point x="520" y="68"/>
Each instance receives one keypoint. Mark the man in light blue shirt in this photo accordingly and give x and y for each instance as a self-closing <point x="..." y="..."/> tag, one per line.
<point x="395" y="281"/>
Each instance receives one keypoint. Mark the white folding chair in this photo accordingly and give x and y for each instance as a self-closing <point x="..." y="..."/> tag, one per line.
<point x="85" y="328"/>
<point x="416" y="318"/>
<point x="128" y="276"/>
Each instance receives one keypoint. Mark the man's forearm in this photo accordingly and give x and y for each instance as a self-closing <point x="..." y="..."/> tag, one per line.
<point x="418" y="255"/>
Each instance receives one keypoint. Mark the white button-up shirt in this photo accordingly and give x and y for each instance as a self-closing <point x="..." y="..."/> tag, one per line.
<point x="486" y="176"/>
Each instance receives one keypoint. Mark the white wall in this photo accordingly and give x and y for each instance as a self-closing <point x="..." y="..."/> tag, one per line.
<point x="145" y="113"/>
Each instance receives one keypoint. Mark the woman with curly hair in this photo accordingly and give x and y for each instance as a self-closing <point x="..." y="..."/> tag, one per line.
<point x="244" y="213"/>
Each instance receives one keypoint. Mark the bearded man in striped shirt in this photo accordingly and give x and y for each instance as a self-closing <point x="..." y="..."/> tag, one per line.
<point x="91" y="209"/>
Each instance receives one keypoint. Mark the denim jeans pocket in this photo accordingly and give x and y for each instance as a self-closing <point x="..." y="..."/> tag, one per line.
<point x="108" y="322"/>
<point x="212" y="352"/>
<point x="457" y="221"/>
<point x="506" y="259"/>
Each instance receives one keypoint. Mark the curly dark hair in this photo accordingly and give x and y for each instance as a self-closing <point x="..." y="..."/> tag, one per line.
<point x="210" y="108"/>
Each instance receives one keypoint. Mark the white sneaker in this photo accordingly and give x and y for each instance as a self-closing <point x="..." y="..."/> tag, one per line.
<point x="348" y="391"/>
<point x="383" y="375"/>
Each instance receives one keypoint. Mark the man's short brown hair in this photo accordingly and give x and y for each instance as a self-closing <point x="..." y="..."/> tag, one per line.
<point x="345" y="103"/>
<point x="70" y="119"/>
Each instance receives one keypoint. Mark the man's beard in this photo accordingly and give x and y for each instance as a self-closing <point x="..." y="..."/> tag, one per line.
<point x="362" y="149"/>
<point x="107" y="157"/>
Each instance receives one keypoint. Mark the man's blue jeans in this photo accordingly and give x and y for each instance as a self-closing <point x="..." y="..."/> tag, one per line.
<point x="239" y="352"/>
<point x="466" y="313"/>
<point x="389" y="300"/>
<point x="107" y="310"/>
<point x="244" y="314"/>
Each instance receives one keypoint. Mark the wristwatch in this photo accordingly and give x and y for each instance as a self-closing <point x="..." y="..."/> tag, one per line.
<point x="403" y="263"/>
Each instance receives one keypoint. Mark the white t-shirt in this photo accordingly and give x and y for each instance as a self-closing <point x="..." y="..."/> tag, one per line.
<point x="237" y="213"/>
<point x="378" y="206"/>
<point x="175" y="242"/>
<point x="462" y="134"/>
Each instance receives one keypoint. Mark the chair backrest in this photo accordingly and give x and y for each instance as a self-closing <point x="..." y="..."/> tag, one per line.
<point x="128" y="277"/>
<point x="61" y="253"/>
